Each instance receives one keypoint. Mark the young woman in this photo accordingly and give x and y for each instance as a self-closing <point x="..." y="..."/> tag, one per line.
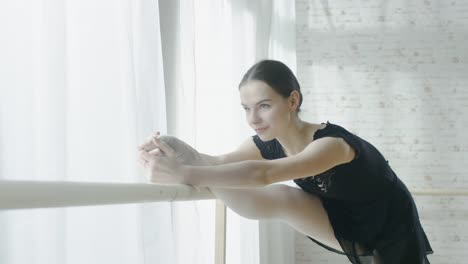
<point x="350" y="201"/>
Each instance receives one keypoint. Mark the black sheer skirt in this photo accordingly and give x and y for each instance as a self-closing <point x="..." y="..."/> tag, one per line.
<point x="401" y="241"/>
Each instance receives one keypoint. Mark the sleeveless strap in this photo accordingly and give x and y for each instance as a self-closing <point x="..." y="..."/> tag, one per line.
<point x="333" y="130"/>
<point x="269" y="149"/>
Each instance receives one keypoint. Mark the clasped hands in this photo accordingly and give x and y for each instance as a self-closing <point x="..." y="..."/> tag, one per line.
<point x="159" y="161"/>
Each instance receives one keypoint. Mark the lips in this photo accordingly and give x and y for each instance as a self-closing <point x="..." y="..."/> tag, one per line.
<point x="260" y="129"/>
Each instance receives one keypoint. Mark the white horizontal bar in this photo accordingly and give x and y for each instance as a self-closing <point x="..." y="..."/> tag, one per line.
<point x="44" y="194"/>
<point x="443" y="192"/>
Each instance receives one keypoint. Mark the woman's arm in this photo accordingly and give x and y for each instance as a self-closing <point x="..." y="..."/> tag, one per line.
<point x="243" y="174"/>
<point x="247" y="150"/>
<point x="236" y="169"/>
<point x="319" y="156"/>
<point x="190" y="156"/>
<point x="212" y="160"/>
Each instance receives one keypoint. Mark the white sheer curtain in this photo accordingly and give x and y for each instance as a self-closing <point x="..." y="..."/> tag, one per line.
<point x="207" y="46"/>
<point x="81" y="84"/>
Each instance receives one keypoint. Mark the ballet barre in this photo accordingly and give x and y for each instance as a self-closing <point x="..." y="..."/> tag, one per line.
<point x="439" y="192"/>
<point x="18" y="194"/>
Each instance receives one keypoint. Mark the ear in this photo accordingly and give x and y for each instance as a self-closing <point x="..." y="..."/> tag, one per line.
<point x="294" y="99"/>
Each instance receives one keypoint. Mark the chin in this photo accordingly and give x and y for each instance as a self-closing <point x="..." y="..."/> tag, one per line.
<point x="265" y="137"/>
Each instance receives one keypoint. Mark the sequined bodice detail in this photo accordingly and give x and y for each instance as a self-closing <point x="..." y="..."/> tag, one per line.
<point x="320" y="183"/>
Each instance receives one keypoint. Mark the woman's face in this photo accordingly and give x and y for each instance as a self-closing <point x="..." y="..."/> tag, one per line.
<point x="266" y="111"/>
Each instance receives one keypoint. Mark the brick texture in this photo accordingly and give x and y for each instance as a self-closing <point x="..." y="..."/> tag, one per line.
<point x="396" y="74"/>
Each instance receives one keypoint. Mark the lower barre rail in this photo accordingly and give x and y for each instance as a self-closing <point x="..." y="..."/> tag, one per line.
<point x="440" y="192"/>
<point x="45" y="194"/>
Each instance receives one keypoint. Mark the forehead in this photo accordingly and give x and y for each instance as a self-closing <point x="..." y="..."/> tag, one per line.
<point x="254" y="91"/>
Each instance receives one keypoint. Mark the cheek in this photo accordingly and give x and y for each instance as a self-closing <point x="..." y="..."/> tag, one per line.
<point x="274" y="116"/>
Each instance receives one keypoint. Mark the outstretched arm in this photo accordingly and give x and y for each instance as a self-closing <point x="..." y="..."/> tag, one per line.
<point x="199" y="169"/>
<point x="319" y="156"/>
<point x="243" y="174"/>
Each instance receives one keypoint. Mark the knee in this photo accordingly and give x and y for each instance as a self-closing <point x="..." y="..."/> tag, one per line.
<point x="258" y="203"/>
<point x="270" y="205"/>
<point x="258" y="210"/>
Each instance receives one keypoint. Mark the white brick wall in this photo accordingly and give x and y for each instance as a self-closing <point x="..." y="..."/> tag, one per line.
<point x="396" y="74"/>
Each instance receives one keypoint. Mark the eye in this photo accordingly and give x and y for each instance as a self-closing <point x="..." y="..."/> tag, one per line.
<point x="264" y="105"/>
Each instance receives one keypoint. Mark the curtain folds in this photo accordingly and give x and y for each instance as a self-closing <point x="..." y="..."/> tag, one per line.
<point x="207" y="47"/>
<point x="82" y="83"/>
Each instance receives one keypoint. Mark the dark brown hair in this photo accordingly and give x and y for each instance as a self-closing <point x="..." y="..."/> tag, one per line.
<point x="277" y="75"/>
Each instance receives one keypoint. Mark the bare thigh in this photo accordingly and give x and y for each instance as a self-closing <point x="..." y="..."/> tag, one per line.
<point x="305" y="213"/>
<point x="299" y="209"/>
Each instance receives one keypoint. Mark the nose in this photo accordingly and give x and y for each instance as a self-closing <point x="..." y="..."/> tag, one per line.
<point x="253" y="117"/>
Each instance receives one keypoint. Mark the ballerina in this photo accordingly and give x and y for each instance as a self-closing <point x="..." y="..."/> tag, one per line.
<point x="349" y="199"/>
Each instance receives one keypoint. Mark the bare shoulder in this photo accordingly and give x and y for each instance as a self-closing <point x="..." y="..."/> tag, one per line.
<point x="319" y="156"/>
<point x="335" y="148"/>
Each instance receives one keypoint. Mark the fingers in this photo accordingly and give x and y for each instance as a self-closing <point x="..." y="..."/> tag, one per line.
<point x="152" y="150"/>
<point x="155" y="141"/>
<point x="149" y="144"/>
<point x="156" y="152"/>
<point x="145" y="156"/>
<point x="164" y="147"/>
<point x="141" y="160"/>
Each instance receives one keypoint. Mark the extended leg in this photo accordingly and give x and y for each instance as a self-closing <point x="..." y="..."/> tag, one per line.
<point x="302" y="211"/>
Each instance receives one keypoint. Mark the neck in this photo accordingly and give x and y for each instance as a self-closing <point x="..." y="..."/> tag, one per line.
<point x="297" y="137"/>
